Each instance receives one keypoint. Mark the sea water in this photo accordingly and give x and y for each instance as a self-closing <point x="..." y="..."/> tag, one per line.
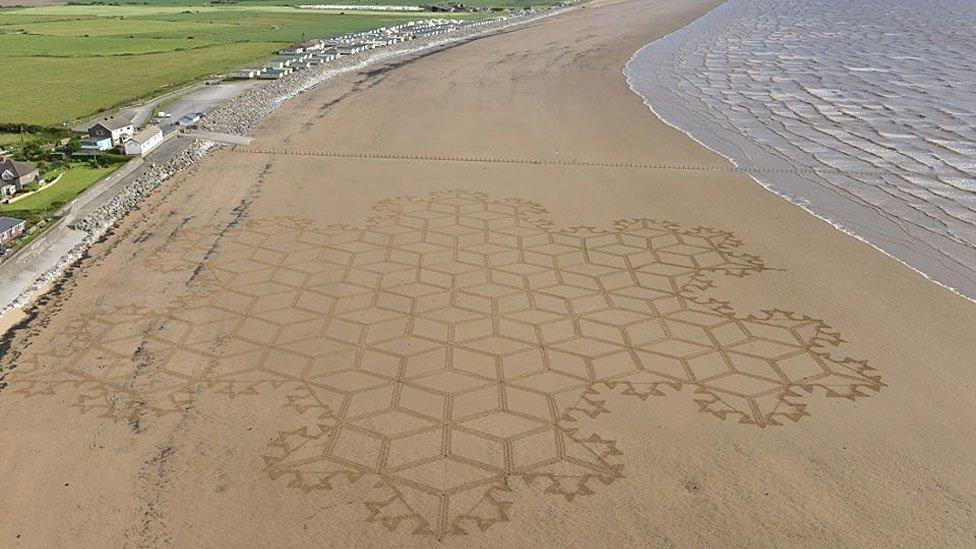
<point x="863" y="112"/>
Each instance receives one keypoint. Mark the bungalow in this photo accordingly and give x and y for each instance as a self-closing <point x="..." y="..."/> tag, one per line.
<point x="303" y="47"/>
<point x="17" y="174"/>
<point x="328" y="54"/>
<point x="349" y="49"/>
<point x="190" y="119"/>
<point x="93" y="145"/>
<point x="118" y="129"/>
<point x="295" y="57"/>
<point x="247" y="73"/>
<point x="11" y="228"/>
<point x="145" y="141"/>
<point x="273" y="74"/>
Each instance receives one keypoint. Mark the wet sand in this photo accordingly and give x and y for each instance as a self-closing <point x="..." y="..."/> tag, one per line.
<point x="285" y="348"/>
<point x="867" y="129"/>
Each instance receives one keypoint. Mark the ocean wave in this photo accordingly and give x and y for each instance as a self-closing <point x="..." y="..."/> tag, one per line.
<point x="862" y="112"/>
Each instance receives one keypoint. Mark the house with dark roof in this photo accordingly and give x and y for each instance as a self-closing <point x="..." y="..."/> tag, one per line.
<point x="11" y="228"/>
<point x="16" y="174"/>
<point x="118" y="129"/>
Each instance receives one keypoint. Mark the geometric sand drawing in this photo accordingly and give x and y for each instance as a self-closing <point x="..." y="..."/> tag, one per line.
<point x="447" y="350"/>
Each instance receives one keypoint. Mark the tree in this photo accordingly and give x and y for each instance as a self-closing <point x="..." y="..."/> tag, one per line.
<point x="33" y="151"/>
<point x="73" y="146"/>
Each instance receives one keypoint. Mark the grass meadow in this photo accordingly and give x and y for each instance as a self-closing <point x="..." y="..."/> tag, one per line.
<point x="62" y="63"/>
<point x="469" y="3"/>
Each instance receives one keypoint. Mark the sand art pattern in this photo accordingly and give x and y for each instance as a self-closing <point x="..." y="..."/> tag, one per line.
<point x="448" y="350"/>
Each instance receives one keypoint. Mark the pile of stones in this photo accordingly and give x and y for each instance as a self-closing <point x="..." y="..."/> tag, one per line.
<point x="129" y="197"/>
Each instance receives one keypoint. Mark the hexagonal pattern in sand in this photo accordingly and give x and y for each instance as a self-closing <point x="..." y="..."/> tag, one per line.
<point x="450" y="345"/>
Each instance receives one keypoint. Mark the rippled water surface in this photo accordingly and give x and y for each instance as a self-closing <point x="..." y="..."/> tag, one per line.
<point x="863" y="112"/>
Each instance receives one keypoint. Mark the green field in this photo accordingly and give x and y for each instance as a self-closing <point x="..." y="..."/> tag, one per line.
<point x="45" y="202"/>
<point x="469" y="3"/>
<point x="8" y="139"/>
<point x="62" y="63"/>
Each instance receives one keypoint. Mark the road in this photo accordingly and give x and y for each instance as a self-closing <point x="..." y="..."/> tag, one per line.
<point x="204" y="99"/>
<point x="198" y="98"/>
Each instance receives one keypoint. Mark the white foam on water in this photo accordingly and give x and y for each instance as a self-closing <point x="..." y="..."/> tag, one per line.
<point x="879" y="89"/>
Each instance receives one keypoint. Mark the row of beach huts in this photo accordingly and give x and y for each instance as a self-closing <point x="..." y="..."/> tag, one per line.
<point x="317" y="51"/>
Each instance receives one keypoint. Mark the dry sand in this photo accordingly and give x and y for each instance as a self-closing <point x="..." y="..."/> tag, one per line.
<point x="277" y="351"/>
<point x="11" y="319"/>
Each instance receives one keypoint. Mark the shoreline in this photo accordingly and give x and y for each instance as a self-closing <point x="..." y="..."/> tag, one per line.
<point x="771" y="188"/>
<point x="630" y="74"/>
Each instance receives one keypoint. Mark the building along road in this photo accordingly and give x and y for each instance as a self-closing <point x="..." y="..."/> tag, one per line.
<point x="20" y="271"/>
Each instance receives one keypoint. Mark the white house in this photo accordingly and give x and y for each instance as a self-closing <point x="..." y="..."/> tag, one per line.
<point x="118" y="129"/>
<point x="96" y="144"/>
<point x="349" y="49"/>
<point x="247" y="73"/>
<point x="11" y="228"/>
<point x="272" y="74"/>
<point x="145" y="141"/>
<point x="328" y="54"/>
<point x="304" y="47"/>
<point x="190" y="119"/>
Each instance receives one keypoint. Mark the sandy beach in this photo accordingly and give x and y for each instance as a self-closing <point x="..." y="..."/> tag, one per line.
<point x="542" y="337"/>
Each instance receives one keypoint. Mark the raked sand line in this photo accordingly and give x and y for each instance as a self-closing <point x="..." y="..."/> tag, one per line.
<point x="538" y="161"/>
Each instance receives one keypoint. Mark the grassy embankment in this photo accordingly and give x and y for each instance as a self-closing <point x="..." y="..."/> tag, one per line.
<point x="62" y="63"/>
